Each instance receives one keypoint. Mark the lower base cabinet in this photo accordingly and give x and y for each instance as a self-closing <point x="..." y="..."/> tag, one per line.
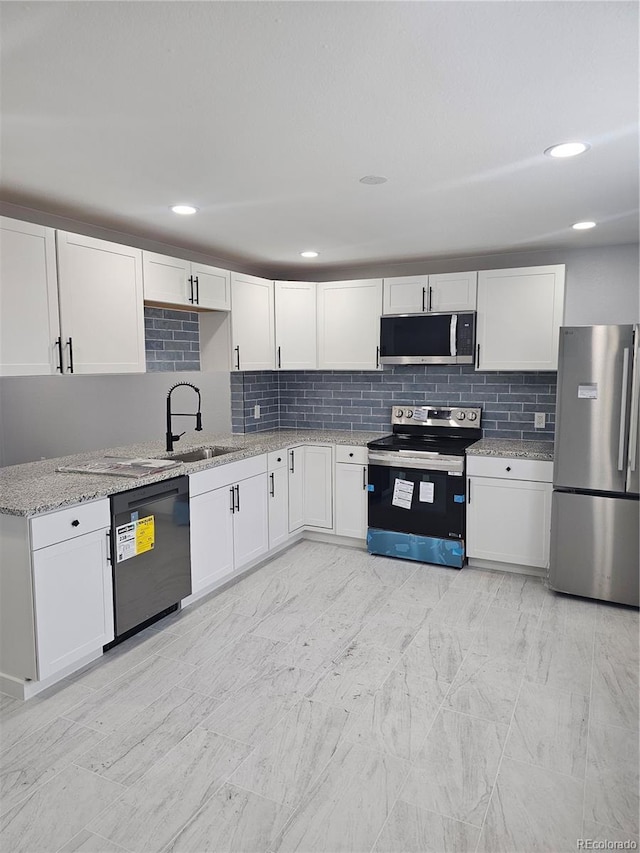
<point x="509" y="519"/>
<point x="310" y="483"/>
<point x="229" y="524"/>
<point x="278" y="498"/>
<point x="351" y="492"/>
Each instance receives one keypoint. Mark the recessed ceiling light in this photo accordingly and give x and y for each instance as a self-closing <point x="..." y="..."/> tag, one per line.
<point x="583" y="226"/>
<point x="184" y="209"/>
<point x="309" y="254"/>
<point x="373" y="179"/>
<point x="567" y="149"/>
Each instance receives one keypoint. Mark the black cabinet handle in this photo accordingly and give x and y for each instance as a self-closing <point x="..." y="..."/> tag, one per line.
<point x="377" y="356"/>
<point x="237" y="488"/>
<point x="292" y="468"/>
<point x="508" y="467"/>
<point x="279" y="459"/>
<point x="190" y="280"/>
<point x="108" y="534"/>
<point x="350" y="454"/>
<point x="272" y="490"/>
<point x="59" y="345"/>
<point x="424" y="293"/>
<point x="75" y="523"/>
<point x="197" y="283"/>
<point x="469" y="491"/>
<point x="279" y="358"/>
<point x="70" y="345"/>
<point x="430" y="297"/>
<point x="478" y="356"/>
<point x="237" y="351"/>
<point x="364" y="476"/>
<point x="233" y="502"/>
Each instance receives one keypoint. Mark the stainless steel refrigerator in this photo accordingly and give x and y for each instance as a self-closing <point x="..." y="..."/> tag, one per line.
<point x="595" y="508"/>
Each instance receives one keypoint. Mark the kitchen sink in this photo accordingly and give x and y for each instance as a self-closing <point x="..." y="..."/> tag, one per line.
<point x="200" y="453"/>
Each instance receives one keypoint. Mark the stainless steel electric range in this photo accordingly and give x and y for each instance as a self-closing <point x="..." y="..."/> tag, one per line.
<point x="417" y="495"/>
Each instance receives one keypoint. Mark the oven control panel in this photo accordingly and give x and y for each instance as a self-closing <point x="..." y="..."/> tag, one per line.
<point x="455" y="416"/>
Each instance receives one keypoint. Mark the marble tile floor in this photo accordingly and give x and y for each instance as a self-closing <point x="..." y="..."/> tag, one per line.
<point x="335" y="701"/>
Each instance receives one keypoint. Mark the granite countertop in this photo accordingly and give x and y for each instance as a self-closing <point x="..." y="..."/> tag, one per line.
<point x="514" y="448"/>
<point x="36" y="487"/>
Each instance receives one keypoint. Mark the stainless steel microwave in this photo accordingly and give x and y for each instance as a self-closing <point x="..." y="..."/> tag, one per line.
<point x="428" y="338"/>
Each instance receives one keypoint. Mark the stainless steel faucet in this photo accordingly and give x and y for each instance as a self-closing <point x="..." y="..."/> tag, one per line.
<point x="171" y="438"/>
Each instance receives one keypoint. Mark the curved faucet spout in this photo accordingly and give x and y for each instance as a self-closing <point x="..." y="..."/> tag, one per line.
<point x="171" y="438"/>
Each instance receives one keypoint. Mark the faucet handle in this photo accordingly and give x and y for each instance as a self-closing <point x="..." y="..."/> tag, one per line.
<point x="177" y="437"/>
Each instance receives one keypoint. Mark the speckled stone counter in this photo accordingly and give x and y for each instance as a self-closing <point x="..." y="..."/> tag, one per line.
<point x="514" y="448"/>
<point x="36" y="487"/>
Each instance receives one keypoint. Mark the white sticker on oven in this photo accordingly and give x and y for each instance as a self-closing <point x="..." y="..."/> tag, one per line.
<point x="588" y="392"/>
<point x="426" y="492"/>
<point x="402" y="493"/>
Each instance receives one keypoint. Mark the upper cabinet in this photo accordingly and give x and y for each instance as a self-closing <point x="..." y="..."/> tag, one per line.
<point x="252" y="323"/>
<point x="101" y="305"/>
<point x="520" y="312"/>
<point x="417" y="294"/>
<point x="185" y="284"/>
<point x="296" y="347"/>
<point x="349" y="324"/>
<point x="29" y="325"/>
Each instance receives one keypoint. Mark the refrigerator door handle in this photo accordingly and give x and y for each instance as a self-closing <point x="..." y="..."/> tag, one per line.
<point x="635" y="394"/>
<point x="623" y="409"/>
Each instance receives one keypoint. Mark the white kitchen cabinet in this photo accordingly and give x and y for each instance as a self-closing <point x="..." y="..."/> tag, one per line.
<point x="520" y="312"/>
<point x="351" y="491"/>
<point x="509" y="519"/>
<point x="295" y="468"/>
<point x="29" y="324"/>
<point x="229" y="520"/>
<point x="453" y="291"/>
<point x="72" y="589"/>
<point x="295" y="306"/>
<point x="417" y="294"/>
<point x="252" y="323"/>
<point x="318" y="486"/>
<point x="278" y="498"/>
<point x="101" y="305"/>
<point x="185" y="284"/>
<point x="349" y="324"/>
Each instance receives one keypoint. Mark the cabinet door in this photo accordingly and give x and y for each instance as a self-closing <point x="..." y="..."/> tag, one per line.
<point x="351" y="500"/>
<point x="250" y="521"/>
<point x="519" y="316"/>
<point x="278" y="507"/>
<point x="165" y="279"/>
<point x="29" y="324"/>
<point x="349" y="324"/>
<point x="405" y="294"/>
<point x="212" y="287"/>
<point x="211" y="534"/>
<point x="295" y="468"/>
<point x="318" y="486"/>
<point x="455" y="291"/>
<point x="101" y="305"/>
<point x="72" y="590"/>
<point x="252" y="323"/>
<point x="296" y="325"/>
<point x="509" y="521"/>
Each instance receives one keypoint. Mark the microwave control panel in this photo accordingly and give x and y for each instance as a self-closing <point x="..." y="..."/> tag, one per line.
<point x="466" y="334"/>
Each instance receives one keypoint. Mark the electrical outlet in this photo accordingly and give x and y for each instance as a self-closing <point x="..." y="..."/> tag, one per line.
<point x="539" y="420"/>
<point x="256" y="411"/>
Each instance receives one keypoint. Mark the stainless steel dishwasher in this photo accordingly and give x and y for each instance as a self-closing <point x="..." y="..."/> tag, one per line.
<point x="150" y="553"/>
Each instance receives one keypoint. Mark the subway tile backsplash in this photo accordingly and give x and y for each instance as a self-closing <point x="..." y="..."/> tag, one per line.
<point x="363" y="399"/>
<point x="172" y="340"/>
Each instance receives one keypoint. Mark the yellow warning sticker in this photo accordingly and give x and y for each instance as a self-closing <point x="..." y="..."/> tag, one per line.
<point x="145" y="534"/>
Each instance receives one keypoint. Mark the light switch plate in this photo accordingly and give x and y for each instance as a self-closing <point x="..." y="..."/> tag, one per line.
<point x="256" y="411"/>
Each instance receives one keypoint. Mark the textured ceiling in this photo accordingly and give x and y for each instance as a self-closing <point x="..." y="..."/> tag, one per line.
<point x="265" y="115"/>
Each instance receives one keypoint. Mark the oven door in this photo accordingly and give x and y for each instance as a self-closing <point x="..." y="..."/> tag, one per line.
<point x="423" y="496"/>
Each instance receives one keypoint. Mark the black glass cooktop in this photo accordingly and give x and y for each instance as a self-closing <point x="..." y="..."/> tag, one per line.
<point x="430" y="444"/>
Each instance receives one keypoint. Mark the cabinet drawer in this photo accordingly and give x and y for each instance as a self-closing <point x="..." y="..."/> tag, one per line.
<point x="226" y="474"/>
<point x="351" y="453"/>
<point x="277" y="459"/>
<point x="508" y="468"/>
<point x="66" y="524"/>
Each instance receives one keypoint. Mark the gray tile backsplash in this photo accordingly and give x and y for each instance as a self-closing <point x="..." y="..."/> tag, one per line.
<point x="172" y="340"/>
<point x="363" y="399"/>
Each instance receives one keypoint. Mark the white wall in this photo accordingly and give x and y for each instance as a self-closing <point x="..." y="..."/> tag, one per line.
<point x="48" y="416"/>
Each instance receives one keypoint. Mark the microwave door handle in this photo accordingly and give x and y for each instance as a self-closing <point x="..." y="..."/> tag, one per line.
<point x="453" y="330"/>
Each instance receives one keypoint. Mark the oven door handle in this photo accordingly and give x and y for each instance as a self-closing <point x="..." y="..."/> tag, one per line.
<point x="395" y="460"/>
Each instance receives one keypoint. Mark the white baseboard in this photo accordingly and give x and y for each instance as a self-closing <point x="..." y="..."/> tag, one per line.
<point x="507" y="568"/>
<point x="20" y="689"/>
